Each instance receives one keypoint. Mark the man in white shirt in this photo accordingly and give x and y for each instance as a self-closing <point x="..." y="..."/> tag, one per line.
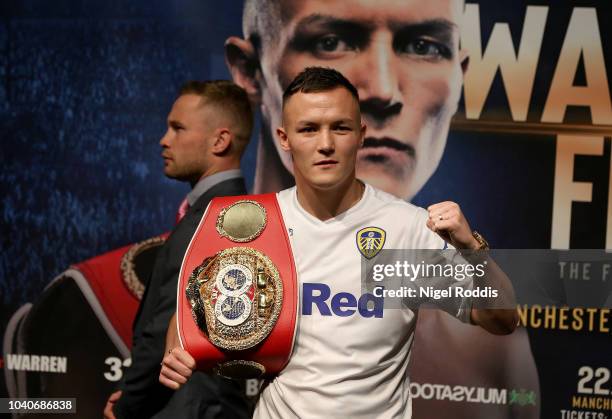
<point x="350" y="356"/>
<point x="407" y="63"/>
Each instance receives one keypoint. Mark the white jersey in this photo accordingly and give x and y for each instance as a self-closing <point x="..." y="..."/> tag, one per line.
<point x="350" y="357"/>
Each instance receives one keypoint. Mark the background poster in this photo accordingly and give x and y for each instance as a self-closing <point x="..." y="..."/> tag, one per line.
<point x="86" y="87"/>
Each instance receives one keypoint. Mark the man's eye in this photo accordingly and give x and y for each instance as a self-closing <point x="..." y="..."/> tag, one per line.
<point x="426" y="48"/>
<point x="331" y="43"/>
<point x="306" y="129"/>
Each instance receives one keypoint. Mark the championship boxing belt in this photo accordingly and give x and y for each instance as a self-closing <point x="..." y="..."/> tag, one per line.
<point x="237" y="295"/>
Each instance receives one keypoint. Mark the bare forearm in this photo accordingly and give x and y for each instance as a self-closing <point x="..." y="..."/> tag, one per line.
<point x="496" y="315"/>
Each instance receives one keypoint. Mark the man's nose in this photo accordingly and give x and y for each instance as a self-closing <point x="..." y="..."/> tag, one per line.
<point x="165" y="139"/>
<point x="326" y="143"/>
<point x="379" y="89"/>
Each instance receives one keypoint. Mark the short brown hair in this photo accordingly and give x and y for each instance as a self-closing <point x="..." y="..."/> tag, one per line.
<point x="318" y="79"/>
<point x="227" y="96"/>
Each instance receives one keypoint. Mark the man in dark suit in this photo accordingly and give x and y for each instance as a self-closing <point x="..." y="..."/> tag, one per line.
<point x="208" y="129"/>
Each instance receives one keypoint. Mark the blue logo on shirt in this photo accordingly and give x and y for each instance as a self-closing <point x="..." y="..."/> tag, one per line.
<point x="343" y="304"/>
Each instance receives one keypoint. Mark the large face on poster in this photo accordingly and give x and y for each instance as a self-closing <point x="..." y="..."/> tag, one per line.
<point x="403" y="57"/>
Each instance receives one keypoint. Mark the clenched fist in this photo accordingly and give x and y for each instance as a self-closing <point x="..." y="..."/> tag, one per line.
<point x="447" y="220"/>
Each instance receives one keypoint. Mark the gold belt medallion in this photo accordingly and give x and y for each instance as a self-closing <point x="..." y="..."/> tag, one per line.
<point x="242" y="222"/>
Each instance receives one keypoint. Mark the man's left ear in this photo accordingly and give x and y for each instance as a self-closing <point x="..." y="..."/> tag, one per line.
<point x="243" y="63"/>
<point x="282" y="138"/>
<point x="223" y="141"/>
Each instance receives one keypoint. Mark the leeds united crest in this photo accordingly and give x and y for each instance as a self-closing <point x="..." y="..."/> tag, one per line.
<point x="370" y="241"/>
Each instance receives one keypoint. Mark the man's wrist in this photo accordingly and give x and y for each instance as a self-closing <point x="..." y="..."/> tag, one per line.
<point x="476" y="251"/>
<point x="479" y="242"/>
